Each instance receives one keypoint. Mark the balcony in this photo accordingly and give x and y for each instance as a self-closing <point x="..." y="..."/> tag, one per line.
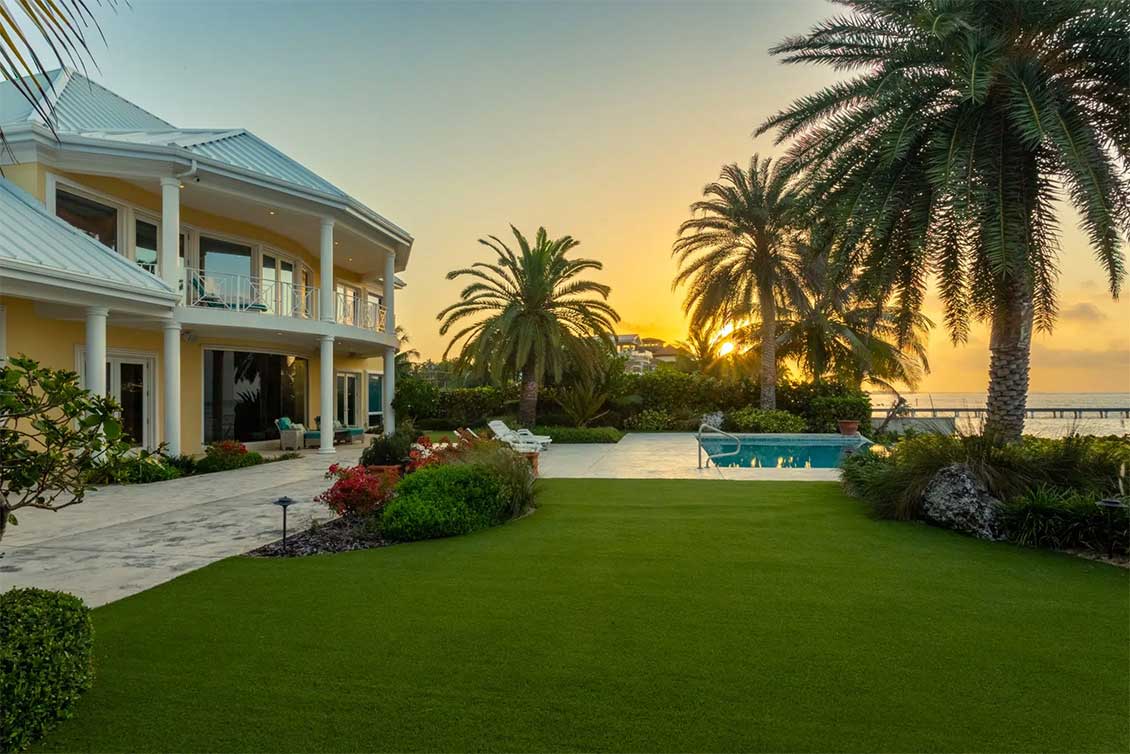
<point x="258" y="295"/>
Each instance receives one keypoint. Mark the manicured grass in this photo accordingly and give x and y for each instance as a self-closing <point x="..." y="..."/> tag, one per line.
<point x="627" y="616"/>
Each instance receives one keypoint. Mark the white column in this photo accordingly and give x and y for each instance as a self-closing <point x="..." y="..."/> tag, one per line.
<point x="389" y="390"/>
<point x="326" y="257"/>
<point x="96" y="349"/>
<point x="171" y="372"/>
<point x="390" y="292"/>
<point x="170" y="230"/>
<point x="326" y="432"/>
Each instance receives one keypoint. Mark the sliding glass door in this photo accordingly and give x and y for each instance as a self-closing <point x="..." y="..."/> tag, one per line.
<point x="348" y="399"/>
<point x="245" y="392"/>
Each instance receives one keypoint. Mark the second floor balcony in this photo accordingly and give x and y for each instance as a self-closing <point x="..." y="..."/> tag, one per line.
<point x="259" y="294"/>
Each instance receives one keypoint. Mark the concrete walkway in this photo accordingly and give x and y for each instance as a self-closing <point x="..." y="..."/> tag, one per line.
<point x="125" y="539"/>
<point x="659" y="455"/>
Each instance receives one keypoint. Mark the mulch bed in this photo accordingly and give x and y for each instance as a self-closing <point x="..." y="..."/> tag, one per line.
<point x="339" y="535"/>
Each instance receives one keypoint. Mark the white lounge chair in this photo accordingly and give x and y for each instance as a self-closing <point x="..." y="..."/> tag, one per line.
<point x="525" y="436"/>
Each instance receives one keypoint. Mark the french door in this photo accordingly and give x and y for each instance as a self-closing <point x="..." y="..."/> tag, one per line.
<point x="348" y="403"/>
<point x="128" y="382"/>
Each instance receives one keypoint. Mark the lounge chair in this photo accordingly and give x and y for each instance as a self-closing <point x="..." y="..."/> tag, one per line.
<point x="291" y="435"/>
<point x="524" y="436"/>
<point x="342" y="433"/>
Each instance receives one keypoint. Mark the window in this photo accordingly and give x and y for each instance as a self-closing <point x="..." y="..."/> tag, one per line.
<point x="245" y="392"/>
<point x="376" y="399"/>
<point x="97" y="220"/>
<point x="226" y="267"/>
<point x="3" y="335"/>
<point x="280" y="294"/>
<point x="347" y="394"/>
<point x="145" y="245"/>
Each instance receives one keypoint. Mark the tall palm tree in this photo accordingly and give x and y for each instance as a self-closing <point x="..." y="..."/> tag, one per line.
<point x="532" y="315"/>
<point x="57" y="25"/>
<point x="699" y="352"/>
<point x="947" y="151"/>
<point x="737" y="255"/>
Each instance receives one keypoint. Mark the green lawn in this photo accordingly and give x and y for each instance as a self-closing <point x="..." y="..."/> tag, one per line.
<point x="628" y="616"/>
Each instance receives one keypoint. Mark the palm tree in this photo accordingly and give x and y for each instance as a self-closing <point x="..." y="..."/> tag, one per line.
<point x="737" y="256"/>
<point x="58" y="26"/>
<point x="404" y="355"/>
<point x="532" y="315"/>
<point x="699" y="352"/>
<point x="834" y="333"/>
<point x="947" y="152"/>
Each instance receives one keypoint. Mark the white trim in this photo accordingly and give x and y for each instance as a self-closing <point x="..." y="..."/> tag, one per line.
<point x="3" y="335"/>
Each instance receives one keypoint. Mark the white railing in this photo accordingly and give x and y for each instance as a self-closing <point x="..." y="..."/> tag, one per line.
<point x="249" y="293"/>
<point x="357" y="312"/>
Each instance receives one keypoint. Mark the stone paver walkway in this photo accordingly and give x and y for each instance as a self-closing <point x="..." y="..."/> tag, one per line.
<point x="125" y="539"/>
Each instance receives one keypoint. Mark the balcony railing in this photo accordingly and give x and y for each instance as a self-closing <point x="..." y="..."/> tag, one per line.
<point x="351" y="310"/>
<point x="249" y="293"/>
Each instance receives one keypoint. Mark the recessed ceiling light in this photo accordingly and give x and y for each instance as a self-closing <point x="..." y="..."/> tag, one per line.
<point x="271" y="211"/>
<point x="337" y="243"/>
<point x="350" y="259"/>
<point x="182" y="185"/>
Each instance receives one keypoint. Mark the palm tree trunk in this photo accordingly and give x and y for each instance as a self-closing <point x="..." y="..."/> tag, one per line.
<point x="768" y="306"/>
<point x="528" y="398"/>
<point x="1010" y="346"/>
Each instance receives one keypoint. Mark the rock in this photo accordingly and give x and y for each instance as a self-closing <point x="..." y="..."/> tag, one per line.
<point x="956" y="499"/>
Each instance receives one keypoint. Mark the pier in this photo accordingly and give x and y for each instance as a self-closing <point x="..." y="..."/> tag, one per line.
<point x="1053" y="412"/>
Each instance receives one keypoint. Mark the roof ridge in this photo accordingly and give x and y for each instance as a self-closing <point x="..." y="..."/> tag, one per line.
<point x="72" y="74"/>
<point x="285" y="156"/>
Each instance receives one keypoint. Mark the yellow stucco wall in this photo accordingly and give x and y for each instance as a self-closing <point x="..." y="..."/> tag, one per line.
<point x="26" y="327"/>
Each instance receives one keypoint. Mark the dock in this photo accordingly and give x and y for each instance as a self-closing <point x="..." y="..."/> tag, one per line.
<point x="1054" y="412"/>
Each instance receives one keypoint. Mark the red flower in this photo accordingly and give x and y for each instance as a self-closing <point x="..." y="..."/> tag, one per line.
<point x="358" y="489"/>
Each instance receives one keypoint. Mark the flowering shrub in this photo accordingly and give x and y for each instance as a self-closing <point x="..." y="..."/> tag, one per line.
<point x="424" y="452"/>
<point x="225" y="455"/>
<point x="357" y="490"/>
<point x="227" y="448"/>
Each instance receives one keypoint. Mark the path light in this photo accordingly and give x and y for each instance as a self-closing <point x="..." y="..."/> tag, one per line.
<point x="284" y="503"/>
<point x="1109" y="506"/>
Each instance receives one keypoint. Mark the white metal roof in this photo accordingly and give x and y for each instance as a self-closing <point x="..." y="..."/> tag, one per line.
<point x="30" y="237"/>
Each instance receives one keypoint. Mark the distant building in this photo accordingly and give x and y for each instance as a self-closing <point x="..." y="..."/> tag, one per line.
<point x="639" y="359"/>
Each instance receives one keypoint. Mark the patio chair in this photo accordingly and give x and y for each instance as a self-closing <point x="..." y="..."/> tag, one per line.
<point x="291" y="435"/>
<point x="525" y="436"/>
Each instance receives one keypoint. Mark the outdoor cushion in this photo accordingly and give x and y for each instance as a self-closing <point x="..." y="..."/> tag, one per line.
<point x="284" y="423"/>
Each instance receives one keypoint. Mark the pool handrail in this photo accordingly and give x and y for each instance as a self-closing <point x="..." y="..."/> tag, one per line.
<point x="709" y="458"/>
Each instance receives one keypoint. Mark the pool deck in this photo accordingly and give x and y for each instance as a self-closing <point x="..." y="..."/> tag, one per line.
<point x="657" y="455"/>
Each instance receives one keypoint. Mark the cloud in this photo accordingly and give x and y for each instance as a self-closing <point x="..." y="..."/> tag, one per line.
<point x="1112" y="359"/>
<point x="1083" y="312"/>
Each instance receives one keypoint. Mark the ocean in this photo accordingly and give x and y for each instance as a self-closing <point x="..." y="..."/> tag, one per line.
<point x="1043" y="426"/>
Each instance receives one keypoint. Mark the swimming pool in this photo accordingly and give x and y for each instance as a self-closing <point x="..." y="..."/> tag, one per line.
<point x="779" y="451"/>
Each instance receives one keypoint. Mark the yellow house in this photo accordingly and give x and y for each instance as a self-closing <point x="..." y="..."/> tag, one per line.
<point x="208" y="282"/>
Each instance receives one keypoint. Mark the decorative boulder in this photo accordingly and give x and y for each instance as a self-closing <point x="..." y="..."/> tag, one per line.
<point x="956" y="499"/>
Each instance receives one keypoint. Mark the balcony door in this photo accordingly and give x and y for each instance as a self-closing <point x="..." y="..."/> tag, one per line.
<point x="282" y="292"/>
<point x="348" y="403"/>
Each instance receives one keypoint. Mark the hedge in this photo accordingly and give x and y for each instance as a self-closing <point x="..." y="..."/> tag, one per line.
<point x="571" y="435"/>
<point x="444" y="501"/>
<point x="752" y="419"/>
<point x="46" y="662"/>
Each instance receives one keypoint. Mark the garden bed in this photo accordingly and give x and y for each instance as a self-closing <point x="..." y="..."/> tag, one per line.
<point x="343" y="534"/>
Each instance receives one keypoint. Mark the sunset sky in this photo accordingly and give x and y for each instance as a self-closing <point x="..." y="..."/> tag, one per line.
<point x="598" y="120"/>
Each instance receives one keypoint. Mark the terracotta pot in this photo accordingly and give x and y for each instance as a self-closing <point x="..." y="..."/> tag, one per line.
<point x="533" y="459"/>
<point x="848" y="426"/>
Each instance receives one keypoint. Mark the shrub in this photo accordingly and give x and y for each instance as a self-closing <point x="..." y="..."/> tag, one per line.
<point x="446" y="500"/>
<point x="470" y="405"/>
<point x="357" y="490"/>
<point x="751" y="419"/>
<point x="185" y="464"/>
<point x="894" y="484"/>
<point x="140" y="467"/>
<point x="415" y="397"/>
<point x="649" y="420"/>
<point x="1063" y="520"/>
<point x="46" y="662"/>
<point x="390" y="450"/>
<point x="826" y="411"/>
<point x="511" y="469"/>
<point x="226" y="455"/>
<point x="567" y="435"/>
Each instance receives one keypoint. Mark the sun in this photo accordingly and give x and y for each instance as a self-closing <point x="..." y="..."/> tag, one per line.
<point x="726" y="348"/>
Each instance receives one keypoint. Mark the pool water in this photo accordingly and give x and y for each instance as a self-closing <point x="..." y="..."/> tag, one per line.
<point x="778" y="451"/>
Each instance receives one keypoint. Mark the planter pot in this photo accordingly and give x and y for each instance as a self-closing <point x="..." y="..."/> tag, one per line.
<point x="393" y="470"/>
<point x="848" y="426"/>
